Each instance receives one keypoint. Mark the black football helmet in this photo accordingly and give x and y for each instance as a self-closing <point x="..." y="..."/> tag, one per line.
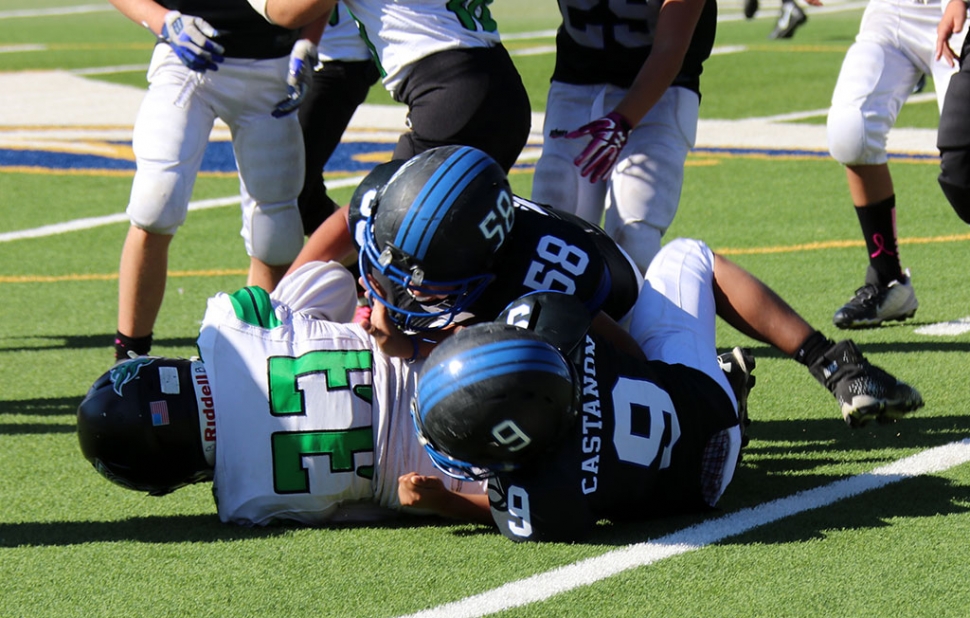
<point x="434" y="230"/>
<point x="491" y="397"/>
<point x="148" y="424"/>
<point x="365" y="196"/>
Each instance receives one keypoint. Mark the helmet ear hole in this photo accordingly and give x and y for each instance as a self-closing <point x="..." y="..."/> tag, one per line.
<point x="440" y="221"/>
<point x="140" y="426"/>
<point x="492" y="397"/>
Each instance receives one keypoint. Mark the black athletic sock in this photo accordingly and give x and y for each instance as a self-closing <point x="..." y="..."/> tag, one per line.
<point x="814" y="346"/>
<point x="878" y="222"/>
<point x="139" y="345"/>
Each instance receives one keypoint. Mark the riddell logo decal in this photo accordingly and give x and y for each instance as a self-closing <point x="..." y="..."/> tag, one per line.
<point x="207" y="408"/>
<point x="126" y="372"/>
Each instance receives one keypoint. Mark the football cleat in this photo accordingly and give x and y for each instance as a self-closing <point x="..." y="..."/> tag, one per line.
<point x="750" y="8"/>
<point x="874" y="304"/>
<point x="737" y="365"/>
<point x="864" y="392"/>
<point x="791" y="18"/>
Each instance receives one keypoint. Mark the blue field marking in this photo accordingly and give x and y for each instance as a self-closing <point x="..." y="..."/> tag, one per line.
<point x="349" y="158"/>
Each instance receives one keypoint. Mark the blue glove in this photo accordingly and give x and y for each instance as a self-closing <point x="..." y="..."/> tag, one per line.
<point x="303" y="59"/>
<point x="609" y="135"/>
<point x="191" y="39"/>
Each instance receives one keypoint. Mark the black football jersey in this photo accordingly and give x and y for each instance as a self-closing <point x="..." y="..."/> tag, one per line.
<point x="548" y="250"/>
<point x="634" y="451"/>
<point x="242" y="31"/>
<point x="601" y="41"/>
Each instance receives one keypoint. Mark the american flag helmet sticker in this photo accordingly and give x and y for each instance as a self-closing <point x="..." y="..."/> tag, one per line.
<point x="159" y="410"/>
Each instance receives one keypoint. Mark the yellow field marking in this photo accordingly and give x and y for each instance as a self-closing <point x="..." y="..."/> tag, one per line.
<point x="837" y="244"/>
<point x="223" y="272"/>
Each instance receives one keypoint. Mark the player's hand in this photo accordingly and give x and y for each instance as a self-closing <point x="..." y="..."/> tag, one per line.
<point x="422" y="492"/>
<point x="609" y="134"/>
<point x="191" y="39"/>
<point x="302" y="60"/>
<point x="379" y="325"/>
<point x="954" y="17"/>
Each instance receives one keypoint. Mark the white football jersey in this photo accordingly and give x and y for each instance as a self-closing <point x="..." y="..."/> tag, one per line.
<point x="404" y="31"/>
<point x="341" y="40"/>
<point x="312" y="420"/>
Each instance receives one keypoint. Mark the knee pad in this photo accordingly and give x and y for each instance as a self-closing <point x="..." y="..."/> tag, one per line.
<point x="846" y="130"/>
<point x="954" y="179"/>
<point x="273" y="232"/>
<point x="858" y="124"/>
<point x="159" y="202"/>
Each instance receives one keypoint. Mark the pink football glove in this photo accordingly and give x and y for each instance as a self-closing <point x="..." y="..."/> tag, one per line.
<point x="609" y="135"/>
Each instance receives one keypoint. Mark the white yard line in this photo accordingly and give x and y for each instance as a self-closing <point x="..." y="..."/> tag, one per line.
<point x="563" y="579"/>
<point x="91" y="222"/>
<point x="55" y="11"/>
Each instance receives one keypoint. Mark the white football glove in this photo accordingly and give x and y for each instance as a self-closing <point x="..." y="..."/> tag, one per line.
<point x="191" y="39"/>
<point x="303" y="59"/>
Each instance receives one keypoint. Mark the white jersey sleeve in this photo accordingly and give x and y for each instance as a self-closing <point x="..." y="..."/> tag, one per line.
<point x="401" y="32"/>
<point x="312" y="420"/>
<point x="341" y="39"/>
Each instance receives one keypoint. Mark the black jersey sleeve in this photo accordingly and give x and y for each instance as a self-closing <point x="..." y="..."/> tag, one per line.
<point x="539" y="507"/>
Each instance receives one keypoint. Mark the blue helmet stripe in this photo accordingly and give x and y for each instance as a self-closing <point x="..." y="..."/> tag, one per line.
<point x="485" y="362"/>
<point x="436" y="198"/>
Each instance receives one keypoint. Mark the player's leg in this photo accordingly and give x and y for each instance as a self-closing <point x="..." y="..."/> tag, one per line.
<point x="864" y="391"/>
<point x="645" y="186"/>
<point x="470" y="97"/>
<point x="338" y="88"/>
<point x="270" y="156"/>
<point x="557" y="181"/>
<point x="169" y="139"/>
<point x="674" y="317"/>
<point x="875" y="80"/>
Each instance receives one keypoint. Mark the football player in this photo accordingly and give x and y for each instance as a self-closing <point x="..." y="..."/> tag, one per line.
<point x="340" y="84"/>
<point x="445" y="61"/>
<point x="442" y="238"/>
<point x="953" y="138"/>
<point x="573" y="423"/>
<point x="896" y="45"/>
<point x="213" y="60"/>
<point x="293" y="414"/>
<point x="622" y="113"/>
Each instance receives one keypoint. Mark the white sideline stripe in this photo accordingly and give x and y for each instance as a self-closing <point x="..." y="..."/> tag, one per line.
<point x="563" y="579"/>
<point x="66" y="10"/>
<point x="942" y="329"/>
<point x="91" y="222"/>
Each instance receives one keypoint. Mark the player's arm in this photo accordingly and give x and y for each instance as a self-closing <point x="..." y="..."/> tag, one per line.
<point x="145" y="12"/>
<point x="674" y="30"/>
<point x="293" y="13"/>
<point x="331" y="241"/>
<point x="428" y="493"/>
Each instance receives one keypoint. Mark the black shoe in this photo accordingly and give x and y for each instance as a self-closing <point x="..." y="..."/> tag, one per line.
<point x="791" y="18"/>
<point x="750" y="8"/>
<point x="864" y="392"/>
<point x="737" y="365"/>
<point x="873" y="304"/>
